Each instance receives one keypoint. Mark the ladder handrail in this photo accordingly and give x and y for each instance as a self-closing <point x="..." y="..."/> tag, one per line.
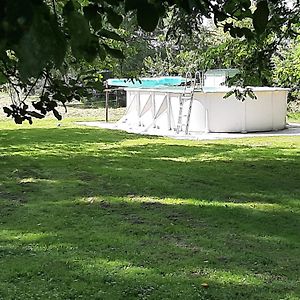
<point x="190" y="97"/>
<point x="188" y="77"/>
<point x="200" y="76"/>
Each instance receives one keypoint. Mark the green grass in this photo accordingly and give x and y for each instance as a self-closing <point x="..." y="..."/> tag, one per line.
<point x="95" y="214"/>
<point x="294" y="117"/>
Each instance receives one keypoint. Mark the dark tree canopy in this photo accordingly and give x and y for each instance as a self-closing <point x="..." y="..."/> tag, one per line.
<point x="39" y="39"/>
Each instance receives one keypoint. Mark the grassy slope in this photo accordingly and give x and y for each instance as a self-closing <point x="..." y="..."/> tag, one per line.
<point x="94" y="214"/>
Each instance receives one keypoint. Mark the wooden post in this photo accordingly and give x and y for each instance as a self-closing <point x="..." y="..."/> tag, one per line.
<point x="117" y="98"/>
<point x="106" y="101"/>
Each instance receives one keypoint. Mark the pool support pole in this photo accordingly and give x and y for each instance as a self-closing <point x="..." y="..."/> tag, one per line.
<point x="106" y="101"/>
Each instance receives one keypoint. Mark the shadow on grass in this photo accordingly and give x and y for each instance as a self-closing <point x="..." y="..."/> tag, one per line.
<point x="108" y="215"/>
<point x="60" y="136"/>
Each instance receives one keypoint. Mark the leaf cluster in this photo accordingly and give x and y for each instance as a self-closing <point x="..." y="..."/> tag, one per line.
<point x="241" y="94"/>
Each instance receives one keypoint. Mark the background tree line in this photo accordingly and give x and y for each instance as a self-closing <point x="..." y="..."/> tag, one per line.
<point x="62" y="45"/>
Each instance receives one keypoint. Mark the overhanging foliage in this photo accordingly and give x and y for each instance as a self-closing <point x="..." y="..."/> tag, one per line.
<point x="40" y="38"/>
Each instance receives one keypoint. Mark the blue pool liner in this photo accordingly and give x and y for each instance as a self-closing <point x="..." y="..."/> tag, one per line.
<point x="147" y="82"/>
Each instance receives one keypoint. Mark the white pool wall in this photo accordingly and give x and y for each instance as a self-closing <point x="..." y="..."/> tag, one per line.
<point x="159" y="108"/>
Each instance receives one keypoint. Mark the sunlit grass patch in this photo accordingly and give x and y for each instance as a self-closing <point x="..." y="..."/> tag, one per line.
<point x="95" y="214"/>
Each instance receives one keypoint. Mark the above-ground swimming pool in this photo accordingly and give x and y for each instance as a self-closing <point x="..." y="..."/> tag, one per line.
<point x="158" y="108"/>
<point x="147" y="82"/>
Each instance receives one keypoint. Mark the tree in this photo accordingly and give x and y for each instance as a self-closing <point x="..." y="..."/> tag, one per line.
<point x="287" y="70"/>
<point x="39" y="38"/>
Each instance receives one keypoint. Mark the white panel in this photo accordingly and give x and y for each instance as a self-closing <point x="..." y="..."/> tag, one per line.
<point x="279" y="109"/>
<point x="145" y="119"/>
<point x="162" y="120"/>
<point x="214" y="80"/>
<point x="132" y="113"/>
<point x="259" y="115"/>
<point x="225" y="115"/>
<point x="198" y="119"/>
<point x="174" y="109"/>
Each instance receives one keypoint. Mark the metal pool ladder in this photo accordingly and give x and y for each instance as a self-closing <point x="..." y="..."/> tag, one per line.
<point x="188" y="96"/>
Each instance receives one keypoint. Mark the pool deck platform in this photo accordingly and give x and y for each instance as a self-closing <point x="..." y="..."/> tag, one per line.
<point x="292" y="129"/>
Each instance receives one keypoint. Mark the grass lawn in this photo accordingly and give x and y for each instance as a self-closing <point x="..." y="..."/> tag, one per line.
<point x="94" y="214"/>
<point x="294" y="117"/>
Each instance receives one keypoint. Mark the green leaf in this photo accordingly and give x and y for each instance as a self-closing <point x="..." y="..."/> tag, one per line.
<point x="246" y="4"/>
<point x="114" y="18"/>
<point x="39" y="106"/>
<point x="29" y="119"/>
<point x="220" y="16"/>
<point x="57" y="114"/>
<point x="68" y="8"/>
<point x="38" y="47"/>
<point x="239" y="32"/>
<point x="242" y="14"/>
<point x="113" y="2"/>
<point x="35" y="114"/>
<point x="230" y="6"/>
<point x="71" y="6"/>
<point x="81" y="38"/>
<point x="91" y="13"/>
<point x="233" y="32"/>
<point x="3" y="79"/>
<point x="230" y="93"/>
<point x="18" y="119"/>
<point x="247" y="33"/>
<point x="250" y="93"/>
<point x="58" y="96"/>
<point x="111" y="35"/>
<point x="147" y="16"/>
<point x="260" y="16"/>
<point x="7" y="110"/>
<point x="131" y="5"/>
<point x="116" y="53"/>
<point x="58" y="38"/>
<point x="227" y="27"/>
<point x="101" y="52"/>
